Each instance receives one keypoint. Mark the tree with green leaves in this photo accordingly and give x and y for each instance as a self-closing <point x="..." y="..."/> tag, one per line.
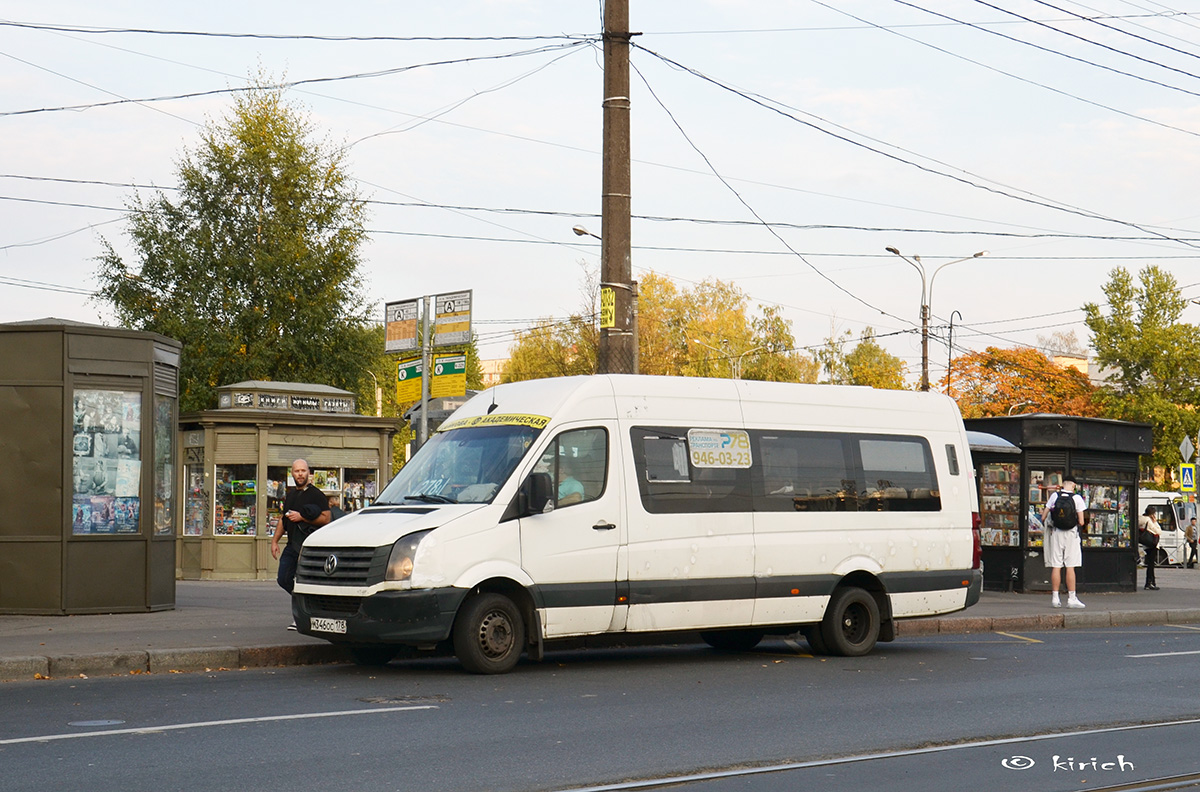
<point x="1149" y="357"/>
<point x="254" y="265"/>
<point x="866" y="364"/>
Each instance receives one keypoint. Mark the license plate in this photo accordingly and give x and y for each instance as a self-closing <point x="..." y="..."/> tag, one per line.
<point x="327" y="625"/>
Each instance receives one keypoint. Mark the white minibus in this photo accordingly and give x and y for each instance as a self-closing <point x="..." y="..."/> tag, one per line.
<point x="1174" y="514"/>
<point x="578" y="506"/>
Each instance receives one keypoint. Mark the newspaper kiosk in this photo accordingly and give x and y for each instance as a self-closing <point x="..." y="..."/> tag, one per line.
<point x="1101" y="456"/>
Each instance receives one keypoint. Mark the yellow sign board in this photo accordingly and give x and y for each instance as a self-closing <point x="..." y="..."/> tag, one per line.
<point x="449" y="376"/>
<point x="608" y="307"/>
<point x="408" y="381"/>
<point x="496" y="419"/>
<point x="1187" y="478"/>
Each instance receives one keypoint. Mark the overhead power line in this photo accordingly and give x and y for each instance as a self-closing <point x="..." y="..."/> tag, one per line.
<point x="295" y="83"/>
<point x="97" y="30"/>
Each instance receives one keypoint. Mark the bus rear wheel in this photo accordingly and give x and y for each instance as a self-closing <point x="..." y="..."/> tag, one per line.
<point x="851" y="624"/>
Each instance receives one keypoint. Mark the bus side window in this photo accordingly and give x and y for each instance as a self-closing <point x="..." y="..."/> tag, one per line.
<point x="952" y="459"/>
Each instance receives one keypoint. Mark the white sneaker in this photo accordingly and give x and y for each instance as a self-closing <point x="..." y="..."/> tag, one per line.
<point x="1073" y="602"/>
<point x="1055" y="603"/>
<point x="292" y="626"/>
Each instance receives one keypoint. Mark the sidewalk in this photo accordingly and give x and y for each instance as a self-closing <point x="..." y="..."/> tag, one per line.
<point x="226" y="625"/>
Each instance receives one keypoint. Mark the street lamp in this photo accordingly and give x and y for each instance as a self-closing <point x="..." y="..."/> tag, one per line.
<point x="926" y="296"/>
<point x="581" y="231"/>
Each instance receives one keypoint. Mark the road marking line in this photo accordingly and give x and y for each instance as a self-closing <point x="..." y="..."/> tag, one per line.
<point x="1166" y="654"/>
<point x="1019" y="637"/>
<point x="656" y="783"/>
<point x="205" y="724"/>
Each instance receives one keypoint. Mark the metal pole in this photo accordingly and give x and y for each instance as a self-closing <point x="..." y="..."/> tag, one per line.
<point x="426" y="347"/>
<point x="950" y="349"/>
<point x="924" y="346"/>
<point x="616" y="354"/>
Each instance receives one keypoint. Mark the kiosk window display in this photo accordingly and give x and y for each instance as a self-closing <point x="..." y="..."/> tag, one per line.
<point x="195" y="506"/>
<point x="1000" y="504"/>
<point x="235" y="502"/>
<point x="350" y="489"/>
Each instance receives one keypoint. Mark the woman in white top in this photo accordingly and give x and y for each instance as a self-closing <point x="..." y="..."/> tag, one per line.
<point x="1149" y="522"/>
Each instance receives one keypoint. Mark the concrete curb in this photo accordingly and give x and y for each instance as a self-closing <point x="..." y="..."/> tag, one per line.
<point x="164" y="661"/>
<point x="1046" y="621"/>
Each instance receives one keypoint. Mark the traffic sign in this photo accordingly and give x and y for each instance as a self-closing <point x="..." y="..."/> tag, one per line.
<point x="1187" y="478"/>
<point x="452" y="318"/>
<point x="449" y="376"/>
<point x="408" y="380"/>
<point x="400" y="321"/>
<point x="1186" y="449"/>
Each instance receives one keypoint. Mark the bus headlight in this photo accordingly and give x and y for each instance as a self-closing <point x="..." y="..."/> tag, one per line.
<point x="400" y="562"/>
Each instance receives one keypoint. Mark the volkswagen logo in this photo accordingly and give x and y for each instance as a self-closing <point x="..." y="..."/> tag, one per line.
<point x="331" y="565"/>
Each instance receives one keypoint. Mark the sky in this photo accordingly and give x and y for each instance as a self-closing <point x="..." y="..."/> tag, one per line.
<point x="781" y="145"/>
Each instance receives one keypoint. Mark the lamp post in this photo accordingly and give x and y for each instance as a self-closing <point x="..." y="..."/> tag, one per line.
<point x="738" y="368"/>
<point x="926" y="296"/>
<point x="378" y="395"/>
<point x="950" y="349"/>
<point x="724" y="352"/>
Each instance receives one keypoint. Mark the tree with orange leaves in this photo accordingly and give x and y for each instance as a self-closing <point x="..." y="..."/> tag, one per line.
<point x="1023" y="380"/>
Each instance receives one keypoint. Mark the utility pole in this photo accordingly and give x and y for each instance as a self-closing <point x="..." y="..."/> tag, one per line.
<point x="617" y="353"/>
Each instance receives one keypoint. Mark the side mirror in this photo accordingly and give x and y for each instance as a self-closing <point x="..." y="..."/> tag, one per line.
<point x="531" y="498"/>
<point x="536" y="492"/>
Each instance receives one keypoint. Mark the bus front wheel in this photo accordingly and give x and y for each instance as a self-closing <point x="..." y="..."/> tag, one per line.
<point x="489" y="634"/>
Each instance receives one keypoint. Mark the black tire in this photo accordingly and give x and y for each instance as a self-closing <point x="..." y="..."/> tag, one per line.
<point x="812" y="634"/>
<point x="489" y="634"/>
<point x="1161" y="558"/>
<point x="732" y="640"/>
<point x="373" y="654"/>
<point x="851" y="624"/>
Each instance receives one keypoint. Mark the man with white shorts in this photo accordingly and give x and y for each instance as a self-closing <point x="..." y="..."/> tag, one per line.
<point x="1062" y="546"/>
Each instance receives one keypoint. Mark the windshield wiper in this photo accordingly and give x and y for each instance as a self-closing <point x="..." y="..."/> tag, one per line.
<point x="430" y="498"/>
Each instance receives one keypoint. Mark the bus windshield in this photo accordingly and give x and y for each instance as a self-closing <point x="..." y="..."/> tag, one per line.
<point x="467" y="465"/>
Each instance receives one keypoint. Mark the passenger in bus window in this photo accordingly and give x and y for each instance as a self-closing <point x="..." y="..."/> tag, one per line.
<point x="570" y="490"/>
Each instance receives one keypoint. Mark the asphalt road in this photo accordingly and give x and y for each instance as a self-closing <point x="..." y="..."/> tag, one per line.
<point x="928" y="713"/>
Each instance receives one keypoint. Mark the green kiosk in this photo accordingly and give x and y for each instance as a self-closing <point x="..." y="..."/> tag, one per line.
<point x="88" y="436"/>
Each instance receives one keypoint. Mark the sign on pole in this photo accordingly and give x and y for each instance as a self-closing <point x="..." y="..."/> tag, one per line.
<point x="400" y="320"/>
<point x="1187" y="478"/>
<point x="408" y="380"/>
<point x="1186" y="449"/>
<point x="452" y="318"/>
<point x="608" y="307"/>
<point x="449" y="376"/>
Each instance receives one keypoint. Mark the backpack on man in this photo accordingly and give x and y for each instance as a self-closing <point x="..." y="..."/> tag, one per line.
<point x="1063" y="514"/>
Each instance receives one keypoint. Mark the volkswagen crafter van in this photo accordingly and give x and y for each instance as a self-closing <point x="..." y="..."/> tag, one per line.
<point x="577" y="506"/>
